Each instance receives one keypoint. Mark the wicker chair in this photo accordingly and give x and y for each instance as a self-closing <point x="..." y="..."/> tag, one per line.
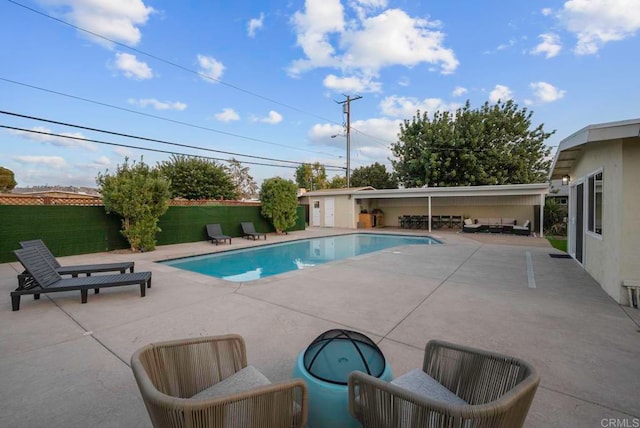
<point x="497" y="389"/>
<point x="169" y="374"/>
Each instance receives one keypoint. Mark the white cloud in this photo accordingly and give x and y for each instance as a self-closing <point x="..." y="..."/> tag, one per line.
<point x="367" y="43"/>
<point x="210" y="67"/>
<point x="254" y="25"/>
<point x="406" y="107"/>
<point x="49" y="161"/>
<point x="124" y="152"/>
<point x="500" y="92"/>
<point x="549" y="46"/>
<point x="118" y="20"/>
<point x="404" y="81"/>
<point x="131" y="67"/>
<point x="545" y="92"/>
<point x="41" y="135"/>
<point x="351" y="84"/>
<point x="597" y="22"/>
<point x="370" y="139"/>
<point x="158" y="105"/>
<point x="546" y="11"/>
<point x="227" y="115"/>
<point x="273" y="118"/>
<point x="458" y="91"/>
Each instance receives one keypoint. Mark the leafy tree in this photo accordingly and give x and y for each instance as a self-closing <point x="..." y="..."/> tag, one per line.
<point x="7" y="180"/>
<point x="311" y="177"/>
<point x="494" y="144"/>
<point x="140" y="195"/>
<point x="197" y="178"/>
<point x="375" y="175"/>
<point x="337" y="182"/>
<point x="279" y="202"/>
<point x="245" y="186"/>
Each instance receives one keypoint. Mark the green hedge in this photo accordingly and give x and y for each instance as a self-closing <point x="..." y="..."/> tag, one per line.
<point x="80" y="230"/>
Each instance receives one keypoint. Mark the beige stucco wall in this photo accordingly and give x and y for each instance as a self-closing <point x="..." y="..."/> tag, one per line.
<point x="343" y="210"/>
<point x="630" y="230"/>
<point x="519" y="207"/>
<point x="602" y="253"/>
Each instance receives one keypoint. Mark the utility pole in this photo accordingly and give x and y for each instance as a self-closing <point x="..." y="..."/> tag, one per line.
<point x="346" y="109"/>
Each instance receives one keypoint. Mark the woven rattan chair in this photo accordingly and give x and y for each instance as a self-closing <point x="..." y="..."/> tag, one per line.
<point x="170" y="374"/>
<point x="497" y="391"/>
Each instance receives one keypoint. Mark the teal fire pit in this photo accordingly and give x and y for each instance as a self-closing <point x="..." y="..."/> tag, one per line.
<point x="325" y="366"/>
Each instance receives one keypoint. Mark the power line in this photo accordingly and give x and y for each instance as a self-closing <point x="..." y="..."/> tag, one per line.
<point x="143" y="138"/>
<point x="204" y="128"/>
<point x="129" y="146"/>
<point x="189" y="70"/>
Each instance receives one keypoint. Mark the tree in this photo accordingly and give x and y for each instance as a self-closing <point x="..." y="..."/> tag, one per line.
<point x="311" y="177"/>
<point x="140" y="195"/>
<point x="375" y="175"/>
<point x="494" y="144"/>
<point x="337" y="182"/>
<point x="7" y="180"/>
<point x="197" y="178"/>
<point x="279" y="202"/>
<point x="245" y="186"/>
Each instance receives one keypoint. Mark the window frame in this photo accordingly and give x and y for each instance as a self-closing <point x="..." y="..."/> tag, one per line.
<point x="593" y="209"/>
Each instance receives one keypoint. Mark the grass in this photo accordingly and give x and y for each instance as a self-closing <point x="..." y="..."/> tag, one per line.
<point x="558" y="242"/>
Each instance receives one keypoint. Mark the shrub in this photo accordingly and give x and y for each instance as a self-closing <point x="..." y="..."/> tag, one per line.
<point x="279" y="202"/>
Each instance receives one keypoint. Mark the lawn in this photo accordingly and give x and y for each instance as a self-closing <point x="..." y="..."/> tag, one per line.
<point x="558" y="242"/>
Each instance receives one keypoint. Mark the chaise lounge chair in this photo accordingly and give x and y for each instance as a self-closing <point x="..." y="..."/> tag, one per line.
<point x="458" y="386"/>
<point x="206" y="382"/>
<point x="214" y="233"/>
<point x="249" y="231"/>
<point x="47" y="280"/>
<point x="26" y="281"/>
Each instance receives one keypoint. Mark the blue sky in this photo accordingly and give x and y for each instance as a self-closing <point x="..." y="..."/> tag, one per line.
<point x="263" y="78"/>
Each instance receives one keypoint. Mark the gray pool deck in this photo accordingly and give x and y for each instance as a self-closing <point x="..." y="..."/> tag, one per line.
<point x="63" y="363"/>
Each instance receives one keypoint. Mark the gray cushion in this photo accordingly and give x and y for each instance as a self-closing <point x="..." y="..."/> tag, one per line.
<point x="421" y="383"/>
<point x="244" y="380"/>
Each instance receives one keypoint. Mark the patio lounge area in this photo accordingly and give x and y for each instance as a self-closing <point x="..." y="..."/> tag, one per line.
<point x="63" y="363"/>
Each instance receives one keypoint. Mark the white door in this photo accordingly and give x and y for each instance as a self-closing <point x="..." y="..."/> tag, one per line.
<point x="328" y="212"/>
<point x="315" y="214"/>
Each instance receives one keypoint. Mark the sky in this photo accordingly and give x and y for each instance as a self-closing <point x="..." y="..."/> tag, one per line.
<point x="263" y="82"/>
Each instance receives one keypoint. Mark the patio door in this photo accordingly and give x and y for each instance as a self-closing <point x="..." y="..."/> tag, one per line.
<point x="576" y="244"/>
<point x="328" y="212"/>
<point x="315" y="214"/>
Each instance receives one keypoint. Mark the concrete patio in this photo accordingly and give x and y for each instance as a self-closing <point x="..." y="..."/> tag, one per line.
<point x="67" y="364"/>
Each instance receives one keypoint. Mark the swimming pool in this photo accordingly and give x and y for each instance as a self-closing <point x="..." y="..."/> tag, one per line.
<point x="259" y="262"/>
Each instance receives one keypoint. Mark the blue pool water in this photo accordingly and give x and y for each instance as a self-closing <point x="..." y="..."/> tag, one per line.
<point x="260" y="262"/>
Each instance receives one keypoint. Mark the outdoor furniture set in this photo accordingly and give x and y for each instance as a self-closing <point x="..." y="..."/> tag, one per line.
<point x="206" y="382"/>
<point x="422" y="221"/>
<point x="496" y="225"/>
<point x="43" y="274"/>
<point x="215" y="234"/>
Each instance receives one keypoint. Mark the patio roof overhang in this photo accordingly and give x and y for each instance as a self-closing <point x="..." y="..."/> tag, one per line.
<point x="570" y="149"/>
<point x="425" y="192"/>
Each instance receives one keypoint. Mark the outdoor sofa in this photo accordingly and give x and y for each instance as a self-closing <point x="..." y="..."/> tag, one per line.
<point x="249" y="231"/>
<point x="524" y="230"/>
<point x="47" y="280"/>
<point x="206" y="382"/>
<point x="492" y="224"/>
<point x="26" y="281"/>
<point x="214" y="234"/>
<point x="458" y="386"/>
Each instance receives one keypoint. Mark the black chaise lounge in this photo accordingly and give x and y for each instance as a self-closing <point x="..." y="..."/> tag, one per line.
<point x="214" y="234"/>
<point x="47" y="280"/>
<point x="25" y="280"/>
<point x="249" y="231"/>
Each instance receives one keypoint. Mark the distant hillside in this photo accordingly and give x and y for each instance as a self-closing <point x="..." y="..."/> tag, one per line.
<point x="87" y="190"/>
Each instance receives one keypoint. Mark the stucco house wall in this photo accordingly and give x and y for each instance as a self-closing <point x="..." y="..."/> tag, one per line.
<point x="614" y="148"/>
<point x="630" y="230"/>
<point x="602" y="252"/>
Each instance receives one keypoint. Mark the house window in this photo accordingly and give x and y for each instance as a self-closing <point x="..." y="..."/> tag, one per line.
<point x="594" y="201"/>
